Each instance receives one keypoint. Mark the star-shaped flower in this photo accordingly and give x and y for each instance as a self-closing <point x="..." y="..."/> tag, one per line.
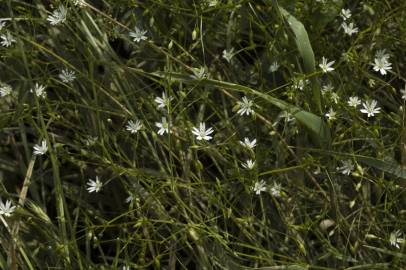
<point x="40" y="149"/>
<point x="382" y="65"/>
<point x="39" y="90"/>
<point x="163" y="101"/>
<point x="325" y="65"/>
<point x="6" y="209"/>
<point x="138" y="35"/>
<point x="346" y="168"/>
<point x="259" y="187"/>
<point x="245" y="106"/>
<point x="94" y="185"/>
<point x="202" y="133"/>
<point x="163" y="126"/>
<point x="134" y="127"/>
<point x="249" y="144"/>
<point x="249" y="164"/>
<point x="67" y="76"/>
<point x="354" y="101"/>
<point x="370" y="108"/>
<point x="58" y="15"/>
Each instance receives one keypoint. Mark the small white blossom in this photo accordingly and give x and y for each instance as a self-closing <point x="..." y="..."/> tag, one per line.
<point x="327" y="88"/>
<point x="274" y="67"/>
<point x="6" y="209"/>
<point x="354" y="101"/>
<point x="249" y="164"/>
<point x="212" y="3"/>
<point x="382" y="65"/>
<point x="134" y="127"/>
<point x="335" y="97"/>
<point x="349" y="29"/>
<point x="228" y="54"/>
<point x="199" y="73"/>
<point x="245" y="106"/>
<point x="138" y="35"/>
<point x="259" y="187"/>
<point x="370" y="108"/>
<point x="300" y="84"/>
<point x="67" y="76"/>
<point x="94" y="186"/>
<point x="41" y="149"/>
<point x="325" y="65"/>
<point x="79" y="3"/>
<point x="202" y="133"/>
<point x="346" y="168"/>
<point x="382" y="54"/>
<point x="163" y="126"/>
<point x="249" y="144"/>
<point x="58" y="15"/>
<point x="331" y="115"/>
<point x="163" y="101"/>
<point x="5" y="90"/>
<point x="39" y="90"/>
<point x="395" y="239"/>
<point x="7" y="39"/>
<point x="276" y="189"/>
<point x="345" y="14"/>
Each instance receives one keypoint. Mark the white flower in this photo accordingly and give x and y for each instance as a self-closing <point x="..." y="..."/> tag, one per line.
<point x="2" y="25"/>
<point x="276" y="189"/>
<point x="41" y="149"/>
<point x="7" y="39"/>
<point x="202" y="133"/>
<point x="249" y="164"/>
<point x="79" y="3"/>
<point x="354" y="101"/>
<point x="259" y="187"/>
<point x="327" y="88"/>
<point x="163" y="126"/>
<point x="300" y="84"/>
<point x="228" y="54"/>
<point x="94" y="186"/>
<point x="382" y="54"/>
<point x="138" y="35"/>
<point x="326" y="66"/>
<point x="5" y="90"/>
<point x="331" y="115"/>
<point x="67" y="76"/>
<point x="395" y="238"/>
<point x="134" y="127"/>
<point x="370" y="108"/>
<point x="382" y="65"/>
<point x="199" y="73"/>
<point x="335" y="97"/>
<point x="345" y="14"/>
<point x="402" y="91"/>
<point x="274" y="67"/>
<point x="249" y="144"/>
<point x="213" y="3"/>
<point x="6" y="209"/>
<point x="163" y="101"/>
<point x="245" y="106"/>
<point x="349" y="29"/>
<point x="346" y="168"/>
<point x="58" y="15"/>
<point x="39" y="90"/>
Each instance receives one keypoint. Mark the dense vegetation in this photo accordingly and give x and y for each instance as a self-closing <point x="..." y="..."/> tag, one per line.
<point x="217" y="134"/>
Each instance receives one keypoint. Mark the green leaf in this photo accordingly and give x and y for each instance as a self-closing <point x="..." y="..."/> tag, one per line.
<point x="314" y="124"/>
<point x="391" y="167"/>
<point x="306" y="52"/>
